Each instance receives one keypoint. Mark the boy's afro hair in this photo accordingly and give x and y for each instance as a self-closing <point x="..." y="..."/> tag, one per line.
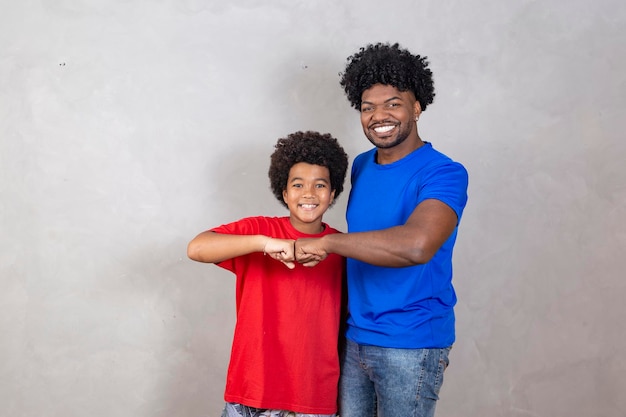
<point x="310" y="147"/>
<point x="387" y="64"/>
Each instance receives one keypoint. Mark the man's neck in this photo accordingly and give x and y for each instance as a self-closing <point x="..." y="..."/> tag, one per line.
<point x="387" y="156"/>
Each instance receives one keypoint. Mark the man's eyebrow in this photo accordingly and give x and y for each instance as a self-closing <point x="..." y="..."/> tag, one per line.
<point x="386" y="101"/>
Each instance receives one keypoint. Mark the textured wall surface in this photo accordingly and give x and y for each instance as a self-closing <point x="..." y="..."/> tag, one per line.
<point x="129" y="126"/>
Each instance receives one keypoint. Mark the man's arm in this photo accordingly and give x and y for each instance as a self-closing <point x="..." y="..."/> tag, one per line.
<point x="415" y="242"/>
<point x="215" y="247"/>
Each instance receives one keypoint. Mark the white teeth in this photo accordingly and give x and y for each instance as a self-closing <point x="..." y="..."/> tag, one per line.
<point x="383" y="129"/>
<point x="308" y="206"/>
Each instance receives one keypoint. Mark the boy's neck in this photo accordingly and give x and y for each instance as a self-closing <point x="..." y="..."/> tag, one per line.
<point x="308" y="228"/>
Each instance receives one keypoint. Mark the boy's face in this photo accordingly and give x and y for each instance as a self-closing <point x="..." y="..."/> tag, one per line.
<point x="308" y="196"/>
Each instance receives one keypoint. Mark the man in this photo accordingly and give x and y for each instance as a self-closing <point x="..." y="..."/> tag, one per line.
<point x="403" y="213"/>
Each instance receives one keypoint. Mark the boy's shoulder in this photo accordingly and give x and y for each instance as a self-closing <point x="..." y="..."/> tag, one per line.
<point x="329" y="230"/>
<point x="253" y="223"/>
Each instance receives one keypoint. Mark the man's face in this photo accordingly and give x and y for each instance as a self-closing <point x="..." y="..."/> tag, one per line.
<point x="388" y="115"/>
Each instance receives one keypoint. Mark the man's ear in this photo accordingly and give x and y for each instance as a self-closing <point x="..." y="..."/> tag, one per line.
<point x="417" y="108"/>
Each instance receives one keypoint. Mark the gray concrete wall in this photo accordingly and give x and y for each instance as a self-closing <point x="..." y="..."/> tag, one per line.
<point x="128" y="126"/>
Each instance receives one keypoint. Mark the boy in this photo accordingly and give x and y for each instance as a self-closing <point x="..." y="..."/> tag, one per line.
<point x="284" y="359"/>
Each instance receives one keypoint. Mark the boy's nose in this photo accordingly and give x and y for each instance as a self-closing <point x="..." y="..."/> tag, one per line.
<point x="309" y="191"/>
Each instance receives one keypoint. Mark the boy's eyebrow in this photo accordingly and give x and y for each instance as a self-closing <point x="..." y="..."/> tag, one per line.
<point x="302" y="179"/>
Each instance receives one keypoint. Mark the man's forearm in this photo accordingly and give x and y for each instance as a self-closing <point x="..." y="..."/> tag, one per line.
<point x="390" y="247"/>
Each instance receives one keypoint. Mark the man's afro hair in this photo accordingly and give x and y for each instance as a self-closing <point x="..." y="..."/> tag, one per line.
<point x="387" y="64"/>
<point x="310" y="147"/>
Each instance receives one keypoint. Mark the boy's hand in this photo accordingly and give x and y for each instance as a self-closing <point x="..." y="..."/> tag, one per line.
<point x="310" y="252"/>
<point x="282" y="250"/>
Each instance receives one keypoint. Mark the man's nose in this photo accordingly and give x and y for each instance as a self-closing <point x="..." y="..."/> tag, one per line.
<point x="379" y="113"/>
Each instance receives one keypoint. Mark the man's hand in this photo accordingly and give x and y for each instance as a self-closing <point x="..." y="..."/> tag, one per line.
<point x="310" y="252"/>
<point x="282" y="250"/>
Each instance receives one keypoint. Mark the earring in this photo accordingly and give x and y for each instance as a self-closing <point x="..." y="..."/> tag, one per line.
<point x="416" y="119"/>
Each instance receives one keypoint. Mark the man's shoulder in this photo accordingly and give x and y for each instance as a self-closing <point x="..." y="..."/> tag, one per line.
<point x="365" y="156"/>
<point x="436" y="158"/>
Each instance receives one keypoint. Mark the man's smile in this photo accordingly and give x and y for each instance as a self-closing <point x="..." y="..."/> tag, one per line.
<point x="384" y="129"/>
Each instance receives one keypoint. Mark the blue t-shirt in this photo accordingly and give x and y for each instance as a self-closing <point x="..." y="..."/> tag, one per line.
<point x="409" y="307"/>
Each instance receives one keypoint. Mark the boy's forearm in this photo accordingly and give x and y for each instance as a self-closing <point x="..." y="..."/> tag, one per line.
<point x="214" y="247"/>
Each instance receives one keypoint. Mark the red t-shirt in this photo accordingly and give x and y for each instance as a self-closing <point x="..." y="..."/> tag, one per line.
<point x="284" y="352"/>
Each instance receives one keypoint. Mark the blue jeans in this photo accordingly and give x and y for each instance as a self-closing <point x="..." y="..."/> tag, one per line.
<point x="388" y="382"/>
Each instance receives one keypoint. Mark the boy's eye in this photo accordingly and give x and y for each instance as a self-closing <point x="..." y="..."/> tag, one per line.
<point x="320" y="185"/>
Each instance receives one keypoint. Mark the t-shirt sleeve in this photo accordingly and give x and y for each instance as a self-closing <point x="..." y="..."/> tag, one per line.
<point x="447" y="183"/>
<point x="246" y="226"/>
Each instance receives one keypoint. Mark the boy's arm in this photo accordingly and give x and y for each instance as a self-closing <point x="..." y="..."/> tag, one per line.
<point x="212" y="247"/>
